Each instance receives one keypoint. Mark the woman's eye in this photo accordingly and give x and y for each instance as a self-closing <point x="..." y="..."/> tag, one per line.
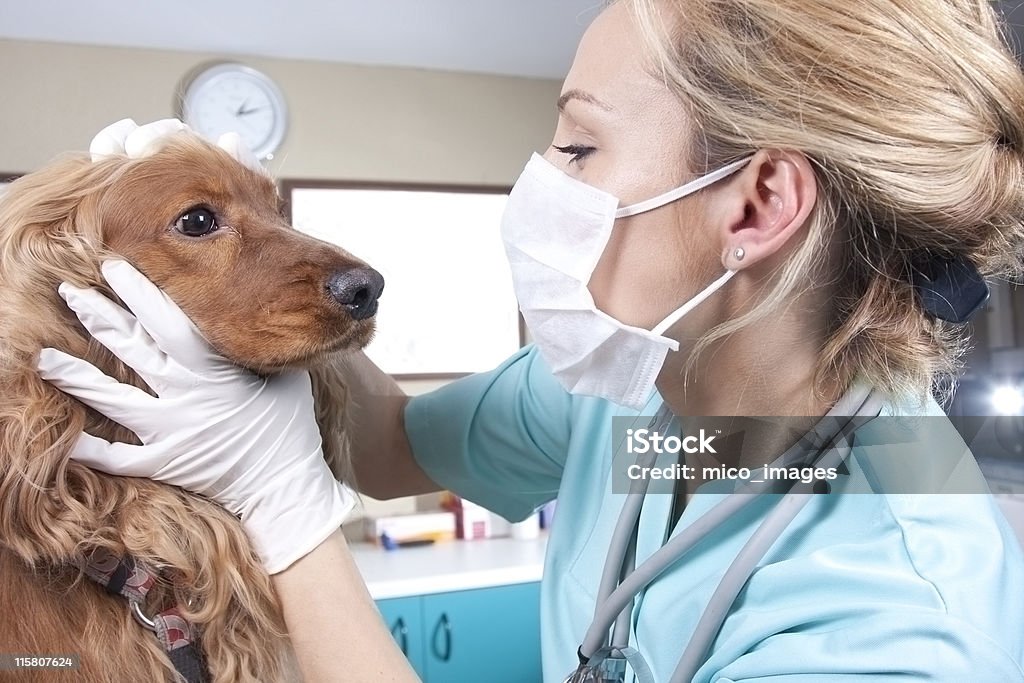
<point x="578" y="152"/>
<point x="196" y="222"/>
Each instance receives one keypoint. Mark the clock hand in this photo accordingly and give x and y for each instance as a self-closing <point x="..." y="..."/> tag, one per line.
<point x="243" y="112"/>
<point x="241" y="108"/>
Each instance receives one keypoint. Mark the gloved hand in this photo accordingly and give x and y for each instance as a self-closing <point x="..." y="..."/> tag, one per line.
<point x="247" y="442"/>
<point x="126" y="138"/>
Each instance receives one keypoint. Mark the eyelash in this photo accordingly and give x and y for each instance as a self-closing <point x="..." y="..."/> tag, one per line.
<point x="578" y="152"/>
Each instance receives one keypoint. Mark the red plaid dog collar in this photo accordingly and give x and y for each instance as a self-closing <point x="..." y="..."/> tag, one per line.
<point x="132" y="580"/>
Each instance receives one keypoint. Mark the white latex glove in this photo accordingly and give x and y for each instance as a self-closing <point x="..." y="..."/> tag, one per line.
<point x="247" y="442"/>
<point x="126" y="138"/>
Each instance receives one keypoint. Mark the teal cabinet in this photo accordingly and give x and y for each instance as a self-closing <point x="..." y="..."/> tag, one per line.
<point x="487" y="634"/>
<point x="491" y="635"/>
<point x="404" y="618"/>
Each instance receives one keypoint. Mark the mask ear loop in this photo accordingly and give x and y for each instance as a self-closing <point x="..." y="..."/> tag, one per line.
<point x="682" y="191"/>
<point x="671" y="196"/>
<point x="676" y="315"/>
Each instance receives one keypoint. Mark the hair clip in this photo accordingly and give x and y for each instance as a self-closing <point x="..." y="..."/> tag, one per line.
<point x="950" y="287"/>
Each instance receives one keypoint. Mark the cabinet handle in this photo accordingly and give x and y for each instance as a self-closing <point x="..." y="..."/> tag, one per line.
<point x="402" y="636"/>
<point x="443" y="626"/>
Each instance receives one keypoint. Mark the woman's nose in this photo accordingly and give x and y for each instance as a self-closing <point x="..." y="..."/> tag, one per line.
<point x="357" y="289"/>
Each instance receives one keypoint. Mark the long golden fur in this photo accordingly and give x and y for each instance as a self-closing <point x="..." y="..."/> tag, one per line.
<point x="256" y="290"/>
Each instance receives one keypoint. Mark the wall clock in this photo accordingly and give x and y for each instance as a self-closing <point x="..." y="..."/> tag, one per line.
<point x="233" y="97"/>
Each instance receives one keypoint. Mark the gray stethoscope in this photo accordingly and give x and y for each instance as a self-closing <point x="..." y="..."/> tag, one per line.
<point x="604" y="659"/>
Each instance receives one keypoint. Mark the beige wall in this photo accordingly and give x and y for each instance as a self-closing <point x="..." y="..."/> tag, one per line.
<point x="347" y="122"/>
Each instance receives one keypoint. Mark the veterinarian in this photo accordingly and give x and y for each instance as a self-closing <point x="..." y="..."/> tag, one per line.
<point x="750" y="208"/>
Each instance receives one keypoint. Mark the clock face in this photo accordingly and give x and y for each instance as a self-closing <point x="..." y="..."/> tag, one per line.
<point x="234" y="98"/>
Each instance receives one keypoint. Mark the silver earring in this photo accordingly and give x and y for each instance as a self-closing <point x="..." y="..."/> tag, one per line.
<point x="739" y="254"/>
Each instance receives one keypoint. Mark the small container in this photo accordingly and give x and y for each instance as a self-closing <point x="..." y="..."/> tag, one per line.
<point x="437" y="526"/>
<point x="526" y="530"/>
<point x="547" y="515"/>
<point x="474" y="522"/>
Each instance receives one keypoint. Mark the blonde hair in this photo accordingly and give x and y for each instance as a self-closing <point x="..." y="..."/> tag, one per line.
<point x="912" y="116"/>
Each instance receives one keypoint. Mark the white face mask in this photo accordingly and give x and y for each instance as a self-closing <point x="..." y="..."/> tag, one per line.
<point x="555" y="229"/>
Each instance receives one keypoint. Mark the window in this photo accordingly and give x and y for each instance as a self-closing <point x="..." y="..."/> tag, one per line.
<point x="448" y="307"/>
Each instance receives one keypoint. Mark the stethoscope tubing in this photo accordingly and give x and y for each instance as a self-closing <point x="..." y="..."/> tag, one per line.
<point x="756" y="547"/>
<point x="622" y="534"/>
<point x="613" y="600"/>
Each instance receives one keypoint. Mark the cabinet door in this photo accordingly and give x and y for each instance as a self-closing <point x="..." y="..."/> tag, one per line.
<point x="490" y="634"/>
<point x="404" y="617"/>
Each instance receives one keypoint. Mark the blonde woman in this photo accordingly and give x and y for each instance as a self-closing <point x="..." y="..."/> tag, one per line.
<point x="818" y="157"/>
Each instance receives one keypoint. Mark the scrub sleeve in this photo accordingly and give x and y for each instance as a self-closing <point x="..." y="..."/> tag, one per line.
<point x="497" y="438"/>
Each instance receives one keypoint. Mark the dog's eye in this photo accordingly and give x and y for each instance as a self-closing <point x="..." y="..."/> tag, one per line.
<point x="196" y="222"/>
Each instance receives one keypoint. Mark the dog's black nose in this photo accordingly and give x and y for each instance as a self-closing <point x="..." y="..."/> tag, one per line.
<point x="357" y="289"/>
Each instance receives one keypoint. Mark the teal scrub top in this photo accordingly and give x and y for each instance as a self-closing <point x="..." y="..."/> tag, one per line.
<point x="921" y="587"/>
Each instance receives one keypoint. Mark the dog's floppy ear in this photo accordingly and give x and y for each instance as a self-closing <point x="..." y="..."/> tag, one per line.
<point x="49" y="232"/>
<point x="50" y="227"/>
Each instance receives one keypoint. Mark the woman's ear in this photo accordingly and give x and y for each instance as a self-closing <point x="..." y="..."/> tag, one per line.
<point x="763" y="206"/>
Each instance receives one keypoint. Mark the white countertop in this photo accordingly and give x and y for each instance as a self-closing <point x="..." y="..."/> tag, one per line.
<point x="449" y="566"/>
